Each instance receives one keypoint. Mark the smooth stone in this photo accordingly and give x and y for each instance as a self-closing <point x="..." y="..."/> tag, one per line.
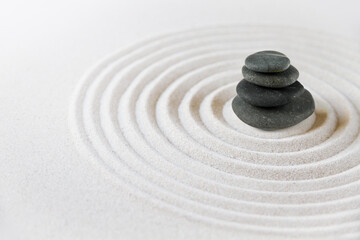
<point x="268" y="97"/>
<point x="267" y="62"/>
<point x="272" y="118"/>
<point x="271" y="80"/>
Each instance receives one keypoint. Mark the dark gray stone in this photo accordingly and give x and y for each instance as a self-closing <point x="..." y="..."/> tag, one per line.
<point x="271" y="118"/>
<point x="268" y="97"/>
<point x="267" y="62"/>
<point x="271" y="80"/>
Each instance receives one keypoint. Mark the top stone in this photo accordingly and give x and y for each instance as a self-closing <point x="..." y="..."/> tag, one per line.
<point x="267" y="62"/>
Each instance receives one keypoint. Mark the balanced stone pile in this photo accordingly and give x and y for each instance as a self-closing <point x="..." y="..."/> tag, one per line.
<point x="270" y="97"/>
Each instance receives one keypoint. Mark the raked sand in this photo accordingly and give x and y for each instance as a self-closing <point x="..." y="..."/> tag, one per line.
<point x="157" y="118"/>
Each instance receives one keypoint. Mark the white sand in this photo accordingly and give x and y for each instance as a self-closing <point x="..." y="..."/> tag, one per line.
<point x="156" y="117"/>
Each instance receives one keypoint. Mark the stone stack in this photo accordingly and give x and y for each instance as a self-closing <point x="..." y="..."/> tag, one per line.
<point x="270" y="97"/>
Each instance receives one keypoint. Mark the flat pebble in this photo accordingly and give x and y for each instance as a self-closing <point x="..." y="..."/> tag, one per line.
<point x="268" y="97"/>
<point x="267" y="62"/>
<point x="271" y="118"/>
<point x="271" y="80"/>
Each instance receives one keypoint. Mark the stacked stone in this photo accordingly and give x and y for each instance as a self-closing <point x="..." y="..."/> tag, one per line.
<point x="270" y="97"/>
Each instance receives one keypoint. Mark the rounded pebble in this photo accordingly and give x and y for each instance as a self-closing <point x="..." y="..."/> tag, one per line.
<point x="272" y="118"/>
<point x="267" y="62"/>
<point x="268" y="97"/>
<point x="271" y="80"/>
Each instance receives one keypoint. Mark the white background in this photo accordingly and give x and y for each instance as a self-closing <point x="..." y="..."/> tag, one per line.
<point x="47" y="191"/>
